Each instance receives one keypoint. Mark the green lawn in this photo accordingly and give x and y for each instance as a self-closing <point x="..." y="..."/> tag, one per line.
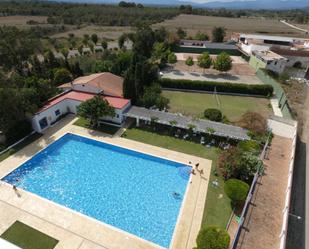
<point x="218" y="207"/>
<point x="18" y="147"/>
<point x="28" y="238"/>
<point x="194" y="104"/>
<point x="109" y="129"/>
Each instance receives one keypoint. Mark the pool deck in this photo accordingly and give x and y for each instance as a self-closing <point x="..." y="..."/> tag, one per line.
<point x="77" y="231"/>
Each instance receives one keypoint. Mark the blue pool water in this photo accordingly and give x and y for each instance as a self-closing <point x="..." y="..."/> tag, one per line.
<point x="126" y="189"/>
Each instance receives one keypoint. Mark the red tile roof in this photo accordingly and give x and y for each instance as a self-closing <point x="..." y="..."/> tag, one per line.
<point x="117" y="103"/>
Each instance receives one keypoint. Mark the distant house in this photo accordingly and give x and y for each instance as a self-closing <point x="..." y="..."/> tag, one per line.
<point x="86" y="51"/>
<point x="73" y="53"/>
<point x="268" y="60"/>
<point x="98" y="48"/>
<point x="106" y="85"/>
<point x="59" y="56"/>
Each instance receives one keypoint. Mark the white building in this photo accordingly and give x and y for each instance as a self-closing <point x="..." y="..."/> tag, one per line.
<point x="256" y="42"/>
<point x="105" y="85"/>
<point x="295" y="58"/>
<point x="269" y="60"/>
<point x="73" y="53"/>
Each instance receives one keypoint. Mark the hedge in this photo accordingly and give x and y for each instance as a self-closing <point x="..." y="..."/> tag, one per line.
<point x="225" y="87"/>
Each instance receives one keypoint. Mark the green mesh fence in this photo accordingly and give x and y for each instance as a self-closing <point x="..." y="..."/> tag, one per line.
<point x="278" y="91"/>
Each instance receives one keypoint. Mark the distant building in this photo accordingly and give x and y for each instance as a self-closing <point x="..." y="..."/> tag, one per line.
<point x="295" y="58"/>
<point x="59" y="56"/>
<point x="254" y="42"/>
<point x="73" y="53"/>
<point x="268" y="60"/>
<point x="98" y="48"/>
<point x="86" y="51"/>
<point x="106" y="85"/>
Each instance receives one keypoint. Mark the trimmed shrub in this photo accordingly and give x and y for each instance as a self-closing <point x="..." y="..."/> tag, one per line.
<point x="212" y="238"/>
<point x="236" y="190"/>
<point x="249" y="146"/>
<point x="224" y="87"/>
<point x="213" y="114"/>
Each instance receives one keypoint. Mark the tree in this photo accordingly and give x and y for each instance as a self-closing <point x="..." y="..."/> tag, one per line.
<point x="16" y="47"/>
<point x="172" y="58"/>
<point x="218" y="34"/>
<point x="249" y="165"/>
<point x="15" y="106"/>
<point x="213" y="114"/>
<point x="94" y="109"/>
<point x="104" y="44"/>
<point x="122" y="39"/>
<point x="204" y="61"/>
<point x="212" y="238"/>
<point x="189" y="61"/>
<point x="143" y="41"/>
<point x="236" y="190"/>
<point x="62" y="75"/>
<point x="254" y="122"/>
<point x="94" y="38"/>
<point x="228" y="162"/>
<point x="181" y="33"/>
<point x="160" y="52"/>
<point x="201" y="36"/>
<point x="76" y="70"/>
<point x="223" y="62"/>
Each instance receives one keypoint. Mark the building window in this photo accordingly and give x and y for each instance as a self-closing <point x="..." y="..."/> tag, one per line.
<point x="57" y="112"/>
<point x="43" y="123"/>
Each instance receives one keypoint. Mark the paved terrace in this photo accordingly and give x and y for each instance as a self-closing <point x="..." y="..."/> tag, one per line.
<point x="222" y="130"/>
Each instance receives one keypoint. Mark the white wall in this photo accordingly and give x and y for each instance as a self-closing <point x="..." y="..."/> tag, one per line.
<point x="86" y="88"/>
<point x="277" y="66"/>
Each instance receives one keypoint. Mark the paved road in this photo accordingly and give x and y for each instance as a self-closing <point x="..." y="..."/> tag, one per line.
<point x="247" y="79"/>
<point x="297" y="229"/>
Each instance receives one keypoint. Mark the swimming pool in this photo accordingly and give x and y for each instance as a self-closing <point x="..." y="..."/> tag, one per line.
<point x="129" y="190"/>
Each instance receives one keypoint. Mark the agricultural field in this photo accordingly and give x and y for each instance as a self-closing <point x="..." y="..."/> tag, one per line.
<point x="233" y="107"/>
<point x="21" y="21"/>
<point x="107" y="32"/>
<point x="194" y="23"/>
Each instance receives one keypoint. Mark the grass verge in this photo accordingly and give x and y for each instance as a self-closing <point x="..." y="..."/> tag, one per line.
<point x="109" y="129"/>
<point x="27" y="237"/>
<point x="218" y="207"/>
<point x="19" y="146"/>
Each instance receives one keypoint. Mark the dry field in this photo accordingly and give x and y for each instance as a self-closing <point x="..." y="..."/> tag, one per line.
<point x="21" y="21"/>
<point x="109" y="32"/>
<point x="194" y="23"/>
